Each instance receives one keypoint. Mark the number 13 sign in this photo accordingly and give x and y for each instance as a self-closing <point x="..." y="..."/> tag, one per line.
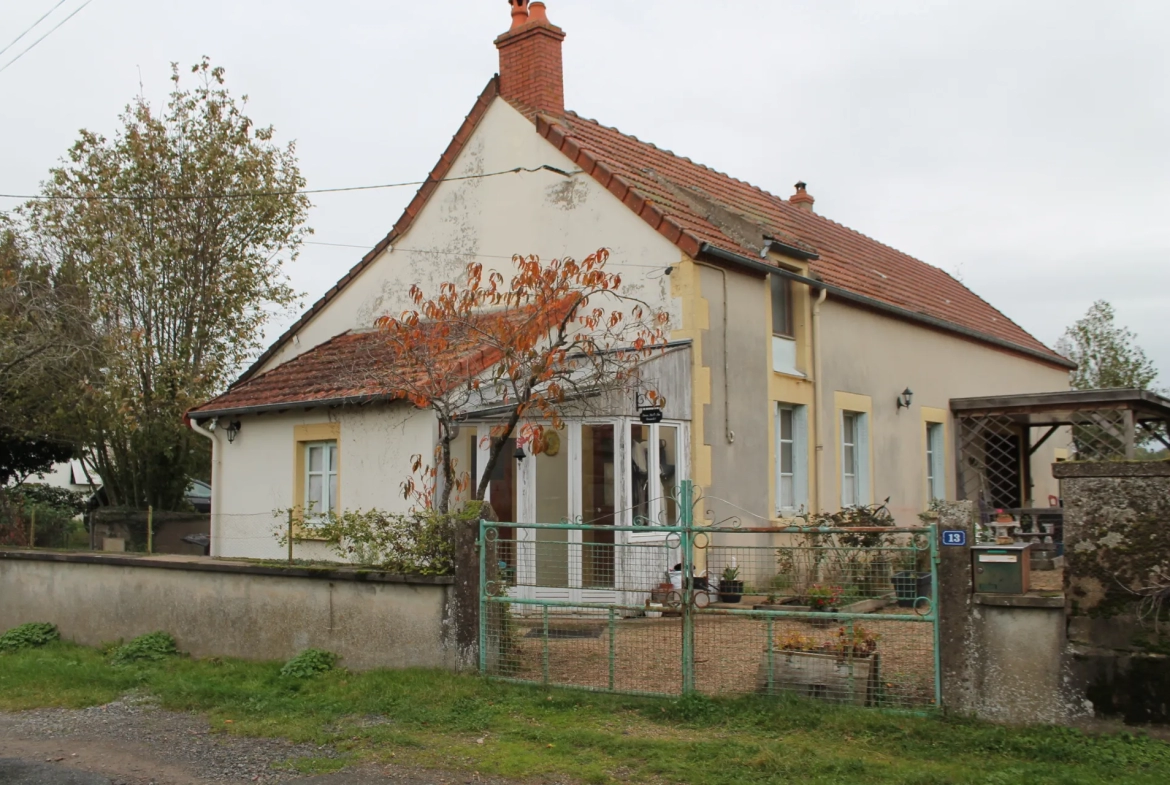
<point x="954" y="538"/>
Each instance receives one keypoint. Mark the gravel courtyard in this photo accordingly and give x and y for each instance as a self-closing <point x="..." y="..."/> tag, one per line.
<point x="130" y="742"/>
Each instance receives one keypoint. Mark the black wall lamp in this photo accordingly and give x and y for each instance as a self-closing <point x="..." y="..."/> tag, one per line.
<point x="905" y="398"/>
<point x="233" y="430"/>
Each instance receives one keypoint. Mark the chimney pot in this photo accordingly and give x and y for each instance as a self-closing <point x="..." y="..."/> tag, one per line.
<point x="519" y="12"/>
<point x="802" y="198"/>
<point x="537" y="12"/>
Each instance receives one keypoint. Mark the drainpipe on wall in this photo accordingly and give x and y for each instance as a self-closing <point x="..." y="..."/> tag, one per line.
<point x="820" y="417"/>
<point x="216" y="473"/>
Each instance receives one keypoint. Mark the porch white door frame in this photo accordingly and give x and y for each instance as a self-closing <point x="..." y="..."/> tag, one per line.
<point x="526" y="506"/>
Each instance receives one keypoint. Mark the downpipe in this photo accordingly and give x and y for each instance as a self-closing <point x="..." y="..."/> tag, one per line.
<point x="216" y="473"/>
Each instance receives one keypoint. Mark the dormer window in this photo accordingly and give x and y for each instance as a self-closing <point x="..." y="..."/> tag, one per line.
<point x="782" y="307"/>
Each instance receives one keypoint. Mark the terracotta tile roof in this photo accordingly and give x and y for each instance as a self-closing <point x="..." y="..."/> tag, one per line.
<point x="684" y="201"/>
<point x="669" y="191"/>
<point x="367" y="366"/>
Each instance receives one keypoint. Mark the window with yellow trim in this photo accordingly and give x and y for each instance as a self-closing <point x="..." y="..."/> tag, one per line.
<point x="854" y="458"/>
<point x="936" y="476"/>
<point x="320" y="478"/>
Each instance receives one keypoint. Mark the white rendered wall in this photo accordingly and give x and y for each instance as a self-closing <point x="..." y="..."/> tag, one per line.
<point x="488" y="220"/>
<point x="257" y="472"/>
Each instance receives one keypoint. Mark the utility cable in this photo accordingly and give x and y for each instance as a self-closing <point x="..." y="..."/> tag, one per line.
<point x="298" y="192"/>
<point x="31" y="27"/>
<point x="4" y="67"/>
<point x="398" y="249"/>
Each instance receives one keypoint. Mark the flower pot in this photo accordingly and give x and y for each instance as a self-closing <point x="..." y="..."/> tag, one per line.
<point x="909" y="586"/>
<point x="730" y="591"/>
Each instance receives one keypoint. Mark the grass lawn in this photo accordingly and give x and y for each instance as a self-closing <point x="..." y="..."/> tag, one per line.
<point x="433" y="718"/>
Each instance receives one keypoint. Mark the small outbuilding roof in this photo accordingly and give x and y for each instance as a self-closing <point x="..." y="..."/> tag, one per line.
<point x="1062" y="408"/>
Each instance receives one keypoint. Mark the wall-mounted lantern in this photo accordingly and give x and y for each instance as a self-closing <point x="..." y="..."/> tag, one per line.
<point x="233" y="430"/>
<point x="905" y="398"/>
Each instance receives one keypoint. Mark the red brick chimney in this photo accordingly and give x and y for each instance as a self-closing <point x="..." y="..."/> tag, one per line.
<point x="802" y="198"/>
<point x="531" y="70"/>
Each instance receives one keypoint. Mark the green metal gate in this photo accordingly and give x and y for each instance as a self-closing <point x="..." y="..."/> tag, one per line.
<point x="843" y="614"/>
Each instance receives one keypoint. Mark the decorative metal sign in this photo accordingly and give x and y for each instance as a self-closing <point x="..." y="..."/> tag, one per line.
<point x="649" y="416"/>
<point x="954" y="538"/>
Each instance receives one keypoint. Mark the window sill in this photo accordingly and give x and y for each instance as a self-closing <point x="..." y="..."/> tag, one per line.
<point x="792" y="373"/>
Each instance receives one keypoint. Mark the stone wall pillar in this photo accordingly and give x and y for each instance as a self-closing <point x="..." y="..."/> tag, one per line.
<point x="1116" y="545"/>
<point x="955" y="607"/>
<point x="464" y="611"/>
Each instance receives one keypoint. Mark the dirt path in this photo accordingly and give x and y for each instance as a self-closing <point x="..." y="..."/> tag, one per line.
<point x="129" y="742"/>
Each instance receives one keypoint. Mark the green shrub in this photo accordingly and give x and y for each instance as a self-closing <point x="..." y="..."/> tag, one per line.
<point x="309" y="663"/>
<point x="151" y="647"/>
<point x="414" y="543"/>
<point x="29" y="636"/>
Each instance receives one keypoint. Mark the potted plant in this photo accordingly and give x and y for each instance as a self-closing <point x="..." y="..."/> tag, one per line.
<point x="822" y="598"/>
<point x="730" y="586"/>
<point x="843" y="670"/>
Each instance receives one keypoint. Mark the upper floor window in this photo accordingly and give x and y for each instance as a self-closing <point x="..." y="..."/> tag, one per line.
<point x="782" y="306"/>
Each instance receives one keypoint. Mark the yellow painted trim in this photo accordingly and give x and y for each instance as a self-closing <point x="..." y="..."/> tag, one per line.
<point x="863" y="404"/>
<point x="785" y="388"/>
<point x="941" y="417"/>
<point x="303" y="434"/>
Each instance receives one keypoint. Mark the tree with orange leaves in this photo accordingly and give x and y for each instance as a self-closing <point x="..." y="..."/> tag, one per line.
<point x="555" y="337"/>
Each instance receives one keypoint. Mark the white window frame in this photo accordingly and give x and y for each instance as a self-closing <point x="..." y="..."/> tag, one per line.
<point x="328" y="503"/>
<point x="855" y="477"/>
<point x="656" y="510"/>
<point x="799" y="474"/>
<point x="936" y="477"/>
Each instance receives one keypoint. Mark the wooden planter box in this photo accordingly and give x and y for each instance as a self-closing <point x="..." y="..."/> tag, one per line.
<point x="822" y="676"/>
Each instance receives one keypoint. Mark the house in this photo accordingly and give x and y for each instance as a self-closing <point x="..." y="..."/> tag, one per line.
<point x="811" y="367"/>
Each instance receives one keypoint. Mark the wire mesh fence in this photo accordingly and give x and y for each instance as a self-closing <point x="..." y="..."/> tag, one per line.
<point x="842" y="615"/>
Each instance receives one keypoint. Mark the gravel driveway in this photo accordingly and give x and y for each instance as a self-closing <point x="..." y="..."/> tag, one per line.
<point x="130" y="742"/>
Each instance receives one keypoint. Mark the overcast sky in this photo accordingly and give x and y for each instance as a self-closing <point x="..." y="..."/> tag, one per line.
<point x="1023" y="146"/>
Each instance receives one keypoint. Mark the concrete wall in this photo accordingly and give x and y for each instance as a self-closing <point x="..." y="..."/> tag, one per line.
<point x="214" y="609"/>
<point x="488" y="220"/>
<point x="865" y="353"/>
<point x="1117" y="549"/>
<point x="256" y="473"/>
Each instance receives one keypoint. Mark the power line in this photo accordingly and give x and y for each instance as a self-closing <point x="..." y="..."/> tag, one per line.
<point x="298" y="192"/>
<point x="33" y="25"/>
<point x="4" y="67"/>
<point x="398" y="249"/>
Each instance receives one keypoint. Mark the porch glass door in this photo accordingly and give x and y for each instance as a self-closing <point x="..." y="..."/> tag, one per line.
<point x="552" y="506"/>
<point x="598" y="496"/>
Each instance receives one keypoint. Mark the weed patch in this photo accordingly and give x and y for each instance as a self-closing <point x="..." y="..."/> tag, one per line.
<point x="151" y="647"/>
<point x="309" y="663"/>
<point x="29" y="636"/>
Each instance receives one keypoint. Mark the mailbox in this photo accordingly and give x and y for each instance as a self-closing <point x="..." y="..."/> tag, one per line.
<point x="1001" y="569"/>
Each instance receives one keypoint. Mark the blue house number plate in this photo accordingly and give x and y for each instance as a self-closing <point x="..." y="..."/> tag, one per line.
<point x="954" y="538"/>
